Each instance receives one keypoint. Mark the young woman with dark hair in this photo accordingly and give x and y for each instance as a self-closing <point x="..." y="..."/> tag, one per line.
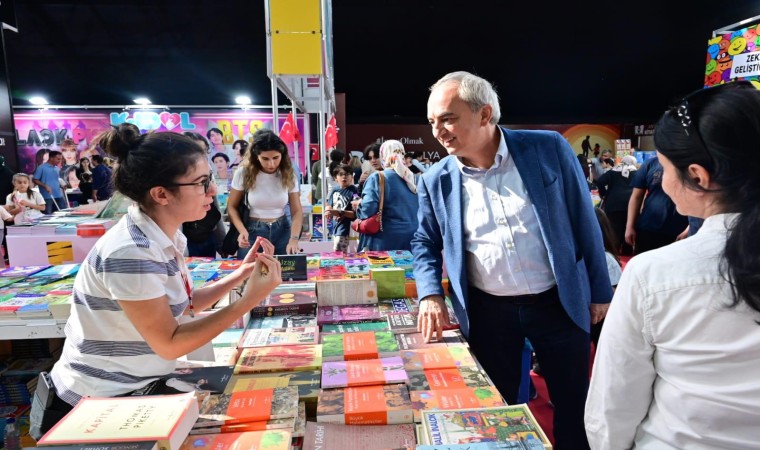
<point x="267" y="177"/>
<point x="124" y="330"/>
<point x="679" y="355"/>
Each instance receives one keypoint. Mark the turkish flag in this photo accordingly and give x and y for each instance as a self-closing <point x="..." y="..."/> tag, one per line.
<point x="289" y="132"/>
<point x="331" y="134"/>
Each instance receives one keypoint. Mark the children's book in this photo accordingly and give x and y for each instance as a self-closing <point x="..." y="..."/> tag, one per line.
<point x="280" y="358"/>
<point x="364" y="372"/>
<point x="464" y="426"/>
<point x="329" y="436"/>
<point x="166" y="419"/>
<point x="262" y="337"/>
<point x="365" y="405"/>
<point x="455" y="378"/>
<point x="248" y="406"/>
<point x="359" y="345"/>
<point x="252" y="440"/>
<point x="463" y="398"/>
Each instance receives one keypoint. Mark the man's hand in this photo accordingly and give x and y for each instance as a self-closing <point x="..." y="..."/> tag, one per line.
<point x="598" y="312"/>
<point x="432" y="317"/>
<point x="630" y="236"/>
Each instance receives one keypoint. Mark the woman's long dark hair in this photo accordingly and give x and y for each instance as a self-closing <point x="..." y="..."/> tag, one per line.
<point x="719" y="129"/>
<point x="611" y="243"/>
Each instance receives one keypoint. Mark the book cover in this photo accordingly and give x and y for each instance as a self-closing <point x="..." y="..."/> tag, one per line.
<point x="299" y="428"/>
<point x="463" y="398"/>
<point x="410" y="341"/>
<point x="261" y="337"/>
<point x="307" y="382"/>
<point x="463" y="426"/>
<point x="281" y="358"/>
<point x="274" y="424"/>
<point x="295" y="320"/>
<point x="228" y="338"/>
<point x="328" y="436"/>
<point x="213" y="379"/>
<point x="293" y="267"/>
<point x="346" y="292"/>
<point x="364" y="372"/>
<point x="390" y="281"/>
<point x="359" y="345"/>
<point x="22" y="271"/>
<point x="163" y="418"/>
<point x="253" y="440"/>
<point x="449" y="357"/>
<point x="531" y="444"/>
<point x="354" y="327"/>
<point x="347" y="314"/>
<point x="59" y="271"/>
<point x="248" y="406"/>
<point x="146" y="445"/>
<point x="365" y="405"/>
<point x="457" y="378"/>
<point x="402" y="322"/>
<point x="287" y="303"/>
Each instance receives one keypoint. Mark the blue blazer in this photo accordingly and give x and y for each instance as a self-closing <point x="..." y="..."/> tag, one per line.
<point x="556" y="186"/>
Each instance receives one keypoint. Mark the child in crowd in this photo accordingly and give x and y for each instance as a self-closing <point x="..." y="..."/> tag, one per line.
<point x="339" y="205"/>
<point x="24" y="204"/>
<point x="613" y="263"/>
<point x="85" y="186"/>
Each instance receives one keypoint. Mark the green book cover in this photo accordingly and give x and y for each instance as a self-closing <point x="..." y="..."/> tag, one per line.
<point x="390" y="282"/>
<point x="358" y="345"/>
<point x="354" y="327"/>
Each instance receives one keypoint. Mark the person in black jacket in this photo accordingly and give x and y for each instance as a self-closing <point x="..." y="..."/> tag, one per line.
<point x="615" y="190"/>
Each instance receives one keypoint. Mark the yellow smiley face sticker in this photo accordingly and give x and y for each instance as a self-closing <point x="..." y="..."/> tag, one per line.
<point x="738" y="45"/>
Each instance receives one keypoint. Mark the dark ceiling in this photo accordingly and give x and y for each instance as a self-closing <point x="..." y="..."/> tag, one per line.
<point x="552" y="61"/>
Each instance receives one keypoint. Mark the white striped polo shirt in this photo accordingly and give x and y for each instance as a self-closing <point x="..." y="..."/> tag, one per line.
<point x="104" y="355"/>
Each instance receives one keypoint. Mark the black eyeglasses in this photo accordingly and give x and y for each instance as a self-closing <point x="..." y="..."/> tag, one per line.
<point x="205" y="183"/>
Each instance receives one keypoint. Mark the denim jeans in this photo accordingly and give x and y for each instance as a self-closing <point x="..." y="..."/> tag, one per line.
<point x="51" y="202"/>
<point x="278" y="233"/>
<point x="205" y="248"/>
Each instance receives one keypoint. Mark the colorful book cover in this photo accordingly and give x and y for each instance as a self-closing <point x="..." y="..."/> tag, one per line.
<point x="411" y="341"/>
<point x="359" y="345"/>
<point x="281" y="358"/>
<point x="213" y="379"/>
<point x="463" y="426"/>
<point x="347" y="313"/>
<point x="230" y="264"/>
<point x="354" y="327"/>
<point x="295" y="320"/>
<point x="293" y="267"/>
<point x="530" y="444"/>
<point x="22" y="271"/>
<point x="402" y="322"/>
<point x="329" y="436"/>
<point x="390" y="281"/>
<point x="287" y="303"/>
<point x="449" y="357"/>
<point x="436" y="379"/>
<point x="257" y="440"/>
<point x="346" y="292"/>
<point x="365" y="405"/>
<point x="59" y="271"/>
<point x="262" y="337"/>
<point x="163" y="418"/>
<point x="307" y="382"/>
<point x="248" y="406"/>
<point x="366" y="372"/>
<point x="463" y="398"/>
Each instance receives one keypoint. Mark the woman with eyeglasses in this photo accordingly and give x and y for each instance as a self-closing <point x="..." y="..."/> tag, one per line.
<point x="268" y="181"/>
<point x="124" y="330"/>
<point x="679" y="356"/>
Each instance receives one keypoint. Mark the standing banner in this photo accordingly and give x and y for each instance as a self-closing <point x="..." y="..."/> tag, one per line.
<point x="734" y="56"/>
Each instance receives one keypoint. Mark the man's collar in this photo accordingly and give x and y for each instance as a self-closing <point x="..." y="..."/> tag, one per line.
<point x="502" y="152"/>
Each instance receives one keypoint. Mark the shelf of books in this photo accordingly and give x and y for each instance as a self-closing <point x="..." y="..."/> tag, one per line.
<point x="330" y="360"/>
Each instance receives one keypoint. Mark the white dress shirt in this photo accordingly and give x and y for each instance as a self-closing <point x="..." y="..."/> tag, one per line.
<point x="505" y="252"/>
<point x="676" y="368"/>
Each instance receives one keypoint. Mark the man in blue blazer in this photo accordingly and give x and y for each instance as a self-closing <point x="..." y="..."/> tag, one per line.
<point x="510" y="214"/>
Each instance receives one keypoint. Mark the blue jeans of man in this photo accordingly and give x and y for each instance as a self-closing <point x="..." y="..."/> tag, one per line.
<point x="277" y="232"/>
<point x="50" y="204"/>
<point x="498" y="328"/>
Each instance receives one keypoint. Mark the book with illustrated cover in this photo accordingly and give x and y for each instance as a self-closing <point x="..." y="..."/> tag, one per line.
<point x="464" y="426"/>
<point x="22" y="271"/>
<point x="346" y="292"/>
<point x="449" y="357"/>
<point x="190" y="379"/>
<point x="166" y="419"/>
<point x="354" y="327"/>
<point x="307" y="382"/>
<point x="59" y="271"/>
<point x="348" y="314"/>
<point x="364" y="372"/>
<point x="281" y="358"/>
<point x="248" y="406"/>
<point x="463" y="398"/>
<point x="286" y="304"/>
<point x="262" y="337"/>
<point x="274" y="424"/>
<point x="531" y="444"/>
<point x="365" y="405"/>
<point x="252" y="440"/>
<point x="457" y="378"/>
<point x="402" y="322"/>
<point x="329" y="436"/>
<point x="359" y="345"/>
<point x="290" y="321"/>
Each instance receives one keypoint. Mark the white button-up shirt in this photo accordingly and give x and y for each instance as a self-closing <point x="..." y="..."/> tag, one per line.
<point x="677" y="368"/>
<point x="505" y="253"/>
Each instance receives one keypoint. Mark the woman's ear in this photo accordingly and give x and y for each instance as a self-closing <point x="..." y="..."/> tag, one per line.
<point x="699" y="175"/>
<point x="160" y="195"/>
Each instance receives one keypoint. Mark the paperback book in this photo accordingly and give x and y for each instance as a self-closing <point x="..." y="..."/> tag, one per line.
<point x="359" y="345"/>
<point x="462" y="398"/>
<point x="336" y="374"/>
<point x="248" y="406"/>
<point x="365" y="405"/>
<point x="281" y="358"/>
<point x="449" y="357"/>
<point x="348" y="314"/>
<point x="274" y="424"/>
<point x="329" y="436"/>
<point x="287" y="303"/>
<point x="256" y="440"/>
<point x="354" y="327"/>
<point x="456" y="378"/>
<point x="262" y="337"/>
<point x="307" y="382"/>
<point x="290" y="321"/>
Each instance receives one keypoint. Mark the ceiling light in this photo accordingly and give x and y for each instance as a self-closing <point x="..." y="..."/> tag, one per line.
<point x="38" y="101"/>
<point x="243" y="100"/>
<point x="142" y="101"/>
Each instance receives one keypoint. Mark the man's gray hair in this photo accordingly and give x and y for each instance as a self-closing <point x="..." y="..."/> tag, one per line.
<point x="477" y="92"/>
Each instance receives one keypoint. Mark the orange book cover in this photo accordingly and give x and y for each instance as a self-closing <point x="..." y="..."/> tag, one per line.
<point x="259" y="440"/>
<point x="465" y="398"/>
<point x="248" y="406"/>
<point x="365" y="405"/>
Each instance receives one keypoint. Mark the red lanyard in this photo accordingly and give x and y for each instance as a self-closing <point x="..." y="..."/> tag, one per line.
<point x="189" y="290"/>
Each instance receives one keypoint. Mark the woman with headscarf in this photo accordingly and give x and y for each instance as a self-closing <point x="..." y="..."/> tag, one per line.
<point x="615" y="189"/>
<point x="399" y="216"/>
